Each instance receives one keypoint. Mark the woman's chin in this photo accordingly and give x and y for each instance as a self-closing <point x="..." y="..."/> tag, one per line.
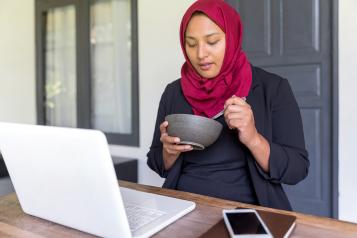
<point x="207" y="74"/>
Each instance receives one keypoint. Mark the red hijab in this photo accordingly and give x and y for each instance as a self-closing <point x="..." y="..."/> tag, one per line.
<point x="207" y="96"/>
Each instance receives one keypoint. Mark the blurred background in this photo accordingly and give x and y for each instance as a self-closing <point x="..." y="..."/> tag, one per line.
<point x="103" y="64"/>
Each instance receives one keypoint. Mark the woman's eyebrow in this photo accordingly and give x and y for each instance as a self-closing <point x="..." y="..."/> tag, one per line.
<point x="190" y="37"/>
<point x="212" y="34"/>
<point x="206" y="36"/>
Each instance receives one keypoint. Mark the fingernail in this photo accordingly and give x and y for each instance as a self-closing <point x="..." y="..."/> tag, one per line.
<point x="188" y="147"/>
<point x="177" y="140"/>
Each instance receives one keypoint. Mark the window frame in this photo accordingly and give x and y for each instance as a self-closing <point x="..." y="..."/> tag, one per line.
<point x="83" y="67"/>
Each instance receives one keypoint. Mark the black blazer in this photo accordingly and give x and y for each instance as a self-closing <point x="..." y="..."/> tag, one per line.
<point x="277" y="117"/>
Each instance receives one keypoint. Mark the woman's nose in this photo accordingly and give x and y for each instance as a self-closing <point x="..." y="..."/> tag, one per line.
<point x="202" y="51"/>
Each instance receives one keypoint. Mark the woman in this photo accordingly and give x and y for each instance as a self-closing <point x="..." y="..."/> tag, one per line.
<point x="262" y="143"/>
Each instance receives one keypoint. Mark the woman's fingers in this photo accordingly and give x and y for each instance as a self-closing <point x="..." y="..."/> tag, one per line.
<point x="171" y="143"/>
<point x="234" y="100"/>
<point x="239" y="124"/>
<point x="237" y="108"/>
<point x="177" y="148"/>
<point x="238" y="113"/>
<point x="165" y="138"/>
<point x="163" y="127"/>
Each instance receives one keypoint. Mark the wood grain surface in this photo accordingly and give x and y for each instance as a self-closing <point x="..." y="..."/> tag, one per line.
<point x="15" y="223"/>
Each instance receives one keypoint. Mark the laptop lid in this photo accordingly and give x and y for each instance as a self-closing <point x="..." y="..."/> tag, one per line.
<point x="66" y="176"/>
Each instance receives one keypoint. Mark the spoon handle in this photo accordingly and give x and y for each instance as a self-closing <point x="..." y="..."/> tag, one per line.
<point x="222" y="112"/>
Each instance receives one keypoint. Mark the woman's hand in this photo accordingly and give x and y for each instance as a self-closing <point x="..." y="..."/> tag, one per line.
<point x="239" y="115"/>
<point x="171" y="148"/>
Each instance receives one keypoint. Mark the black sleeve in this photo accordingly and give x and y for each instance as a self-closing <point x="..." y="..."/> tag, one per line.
<point x="155" y="159"/>
<point x="288" y="161"/>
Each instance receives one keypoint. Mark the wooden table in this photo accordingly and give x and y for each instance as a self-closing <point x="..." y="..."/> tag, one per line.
<point x="15" y="223"/>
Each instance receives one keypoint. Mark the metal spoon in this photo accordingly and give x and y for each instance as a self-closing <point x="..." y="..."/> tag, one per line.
<point x="222" y="112"/>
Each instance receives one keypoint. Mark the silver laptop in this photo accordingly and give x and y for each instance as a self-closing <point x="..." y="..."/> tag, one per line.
<point x="67" y="176"/>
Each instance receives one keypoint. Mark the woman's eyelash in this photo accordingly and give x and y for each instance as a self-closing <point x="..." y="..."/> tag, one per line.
<point x="210" y="43"/>
<point x="191" y="45"/>
<point x="213" y="43"/>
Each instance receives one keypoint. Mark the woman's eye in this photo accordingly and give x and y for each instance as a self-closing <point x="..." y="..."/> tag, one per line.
<point x="213" y="42"/>
<point x="191" y="45"/>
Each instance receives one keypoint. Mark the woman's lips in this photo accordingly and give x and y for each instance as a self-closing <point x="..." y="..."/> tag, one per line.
<point x="205" y="66"/>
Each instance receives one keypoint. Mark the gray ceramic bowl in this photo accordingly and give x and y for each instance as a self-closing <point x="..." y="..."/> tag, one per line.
<point x="197" y="131"/>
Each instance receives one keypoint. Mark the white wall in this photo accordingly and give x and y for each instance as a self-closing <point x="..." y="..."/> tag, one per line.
<point x="347" y="110"/>
<point x="17" y="61"/>
<point x="17" y="67"/>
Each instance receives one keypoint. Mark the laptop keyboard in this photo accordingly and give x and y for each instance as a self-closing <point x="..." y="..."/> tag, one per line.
<point x="139" y="216"/>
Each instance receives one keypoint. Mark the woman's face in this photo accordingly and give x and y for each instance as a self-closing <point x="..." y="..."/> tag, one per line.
<point x="205" y="45"/>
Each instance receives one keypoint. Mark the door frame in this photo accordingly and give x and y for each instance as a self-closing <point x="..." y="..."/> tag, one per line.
<point x="335" y="101"/>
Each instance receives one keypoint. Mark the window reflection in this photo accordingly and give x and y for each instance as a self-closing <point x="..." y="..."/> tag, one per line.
<point x="110" y="29"/>
<point x="60" y="70"/>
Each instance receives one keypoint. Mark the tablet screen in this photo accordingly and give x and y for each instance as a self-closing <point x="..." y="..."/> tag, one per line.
<point x="245" y="223"/>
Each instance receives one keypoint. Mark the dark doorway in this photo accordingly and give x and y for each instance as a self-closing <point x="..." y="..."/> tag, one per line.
<point x="294" y="39"/>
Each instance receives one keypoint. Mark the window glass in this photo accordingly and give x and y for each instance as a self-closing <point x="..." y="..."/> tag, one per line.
<point x="60" y="67"/>
<point x="110" y="30"/>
